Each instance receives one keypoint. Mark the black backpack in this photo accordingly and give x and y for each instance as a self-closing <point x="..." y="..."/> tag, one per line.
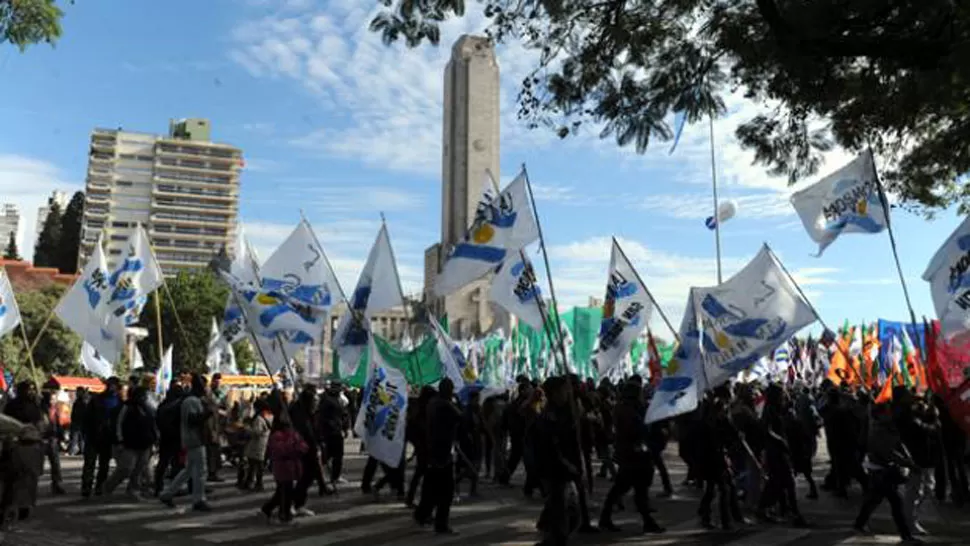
<point x="169" y="421"/>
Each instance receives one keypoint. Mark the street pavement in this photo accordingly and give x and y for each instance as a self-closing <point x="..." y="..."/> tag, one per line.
<point x="499" y="516"/>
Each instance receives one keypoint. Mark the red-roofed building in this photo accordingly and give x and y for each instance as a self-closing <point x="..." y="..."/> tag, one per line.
<point x="25" y="276"/>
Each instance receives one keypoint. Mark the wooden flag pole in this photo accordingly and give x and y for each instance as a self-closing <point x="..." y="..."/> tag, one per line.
<point x="30" y="354"/>
<point x="545" y="259"/>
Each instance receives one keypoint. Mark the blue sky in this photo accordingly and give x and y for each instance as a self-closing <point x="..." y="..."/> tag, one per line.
<point x="333" y="122"/>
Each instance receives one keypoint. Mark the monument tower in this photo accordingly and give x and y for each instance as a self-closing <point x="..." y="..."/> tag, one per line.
<point x="470" y="146"/>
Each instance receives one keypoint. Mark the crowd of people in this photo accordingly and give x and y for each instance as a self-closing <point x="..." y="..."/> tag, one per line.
<point x="745" y="446"/>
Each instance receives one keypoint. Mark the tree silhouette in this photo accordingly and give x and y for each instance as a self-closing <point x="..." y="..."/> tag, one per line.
<point x="47" y="249"/>
<point x="70" y="241"/>
<point x="11" y="252"/>
<point x="851" y="73"/>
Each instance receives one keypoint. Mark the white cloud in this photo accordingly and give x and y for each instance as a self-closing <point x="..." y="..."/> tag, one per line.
<point x="27" y="182"/>
<point x="387" y="100"/>
<point x="340" y="199"/>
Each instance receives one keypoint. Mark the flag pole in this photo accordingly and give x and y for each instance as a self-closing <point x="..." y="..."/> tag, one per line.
<point x="158" y="328"/>
<point x="545" y="259"/>
<point x="30" y="355"/>
<point x="543" y="312"/>
<point x="400" y="290"/>
<point x="717" y="224"/>
<point x="892" y="238"/>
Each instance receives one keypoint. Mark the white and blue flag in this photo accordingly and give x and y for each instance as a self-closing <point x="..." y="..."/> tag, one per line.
<point x="378" y="289"/>
<point x="626" y="312"/>
<point x="747" y="317"/>
<point x="679" y="390"/>
<point x="846" y="201"/>
<point x="84" y="308"/>
<point x="516" y="289"/>
<point x="9" y="312"/>
<point x="949" y="276"/>
<point x="503" y="225"/>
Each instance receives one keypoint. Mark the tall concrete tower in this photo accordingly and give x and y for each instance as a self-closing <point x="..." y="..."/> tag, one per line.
<point x="470" y="146"/>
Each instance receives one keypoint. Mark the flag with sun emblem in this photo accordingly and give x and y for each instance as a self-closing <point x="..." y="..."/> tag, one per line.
<point x="503" y="224"/>
<point x="9" y="312"/>
<point x="383" y="410"/>
<point x="846" y="201"/>
<point x="747" y="317"/>
<point x="626" y="312"/>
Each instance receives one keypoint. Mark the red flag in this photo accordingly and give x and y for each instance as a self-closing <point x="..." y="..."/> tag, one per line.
<point x="3" y="379"/>
<point x="656" y="371"/>
<point x="959" y="405"/>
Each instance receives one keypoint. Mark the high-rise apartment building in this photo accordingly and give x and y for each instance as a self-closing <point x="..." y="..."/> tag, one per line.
<point x="9" y="223"/>
<point x="182" y="187"/>
<point x="59" y="197"/>
<point x="470" y="147"/>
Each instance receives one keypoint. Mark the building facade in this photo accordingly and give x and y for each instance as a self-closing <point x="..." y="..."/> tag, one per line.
<point x="390" y="325"/>
<point x="9" y="223"/>
<point x="59" y="197"/>
<point x="182" y="187"/>
<point x="470" y="148"/>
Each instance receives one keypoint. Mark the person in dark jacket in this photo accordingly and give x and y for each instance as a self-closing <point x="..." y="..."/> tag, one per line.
<point x="301" y="415"/>
<point x="99" y="437"/>
<point x="168" y="419"/>
<point x="919" y="428"/>
<point x="559" y="471"/>
<point x="76" y="433"/>
<point x="635" y="464"/>
<point x="137" y="434"/>
<point x="416" y="435"/>
<point x="28" y="408"/>
<point x="331" y="416"/>
<point x="439" y="483"/>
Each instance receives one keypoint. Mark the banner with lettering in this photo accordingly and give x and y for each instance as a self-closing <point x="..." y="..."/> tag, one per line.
<point x="846" y="201"/>
<point x="679" y="390"/>
<point x="747" y="317"/>
<point x="516" y="290"/>
<point x="626" y="312"/>
<point x="384" y="404"/>
<point x="503" y="224"/>
<point x="949" y="281"/>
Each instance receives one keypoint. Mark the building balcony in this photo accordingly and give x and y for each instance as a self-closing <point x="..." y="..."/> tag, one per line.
<point x="188" y="220"/>
<point x="167" y="190"/>
<point x="197" y="154"/>
<point x="195" y="207"/>
<point x="194" y="167"/>
<point x="173" y="178"/>
<point x="210" y="237"/>
<point x="95" y="213"/>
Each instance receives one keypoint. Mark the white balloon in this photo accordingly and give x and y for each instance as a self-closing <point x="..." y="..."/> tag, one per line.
<point x="726" y="210"/>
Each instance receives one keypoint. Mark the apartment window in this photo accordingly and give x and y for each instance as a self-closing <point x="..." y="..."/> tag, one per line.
<point x="115" y="252"/>
<point x="119" y="224"/>
<point x="124" y="183"/>
<point x="119" y="237"/>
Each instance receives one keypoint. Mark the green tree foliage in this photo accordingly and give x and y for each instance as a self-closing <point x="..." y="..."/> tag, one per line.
<point x="47" y="249"/>
<point x="57" y="351"/>
<point x="198" y="296"/>
<point x="11" y="252"/>
<point x="247" y="361"/>
<point x="70" y="240"/>
<point x="27" y="22"/>
<point x="827" y="72"/>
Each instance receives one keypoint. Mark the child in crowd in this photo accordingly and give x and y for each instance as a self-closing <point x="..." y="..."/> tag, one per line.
<point x="286" y="449"/>
<point x="254" y="453"/>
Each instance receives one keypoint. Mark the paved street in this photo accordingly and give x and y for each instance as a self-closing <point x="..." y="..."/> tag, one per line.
<point x="501" y="516"/>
